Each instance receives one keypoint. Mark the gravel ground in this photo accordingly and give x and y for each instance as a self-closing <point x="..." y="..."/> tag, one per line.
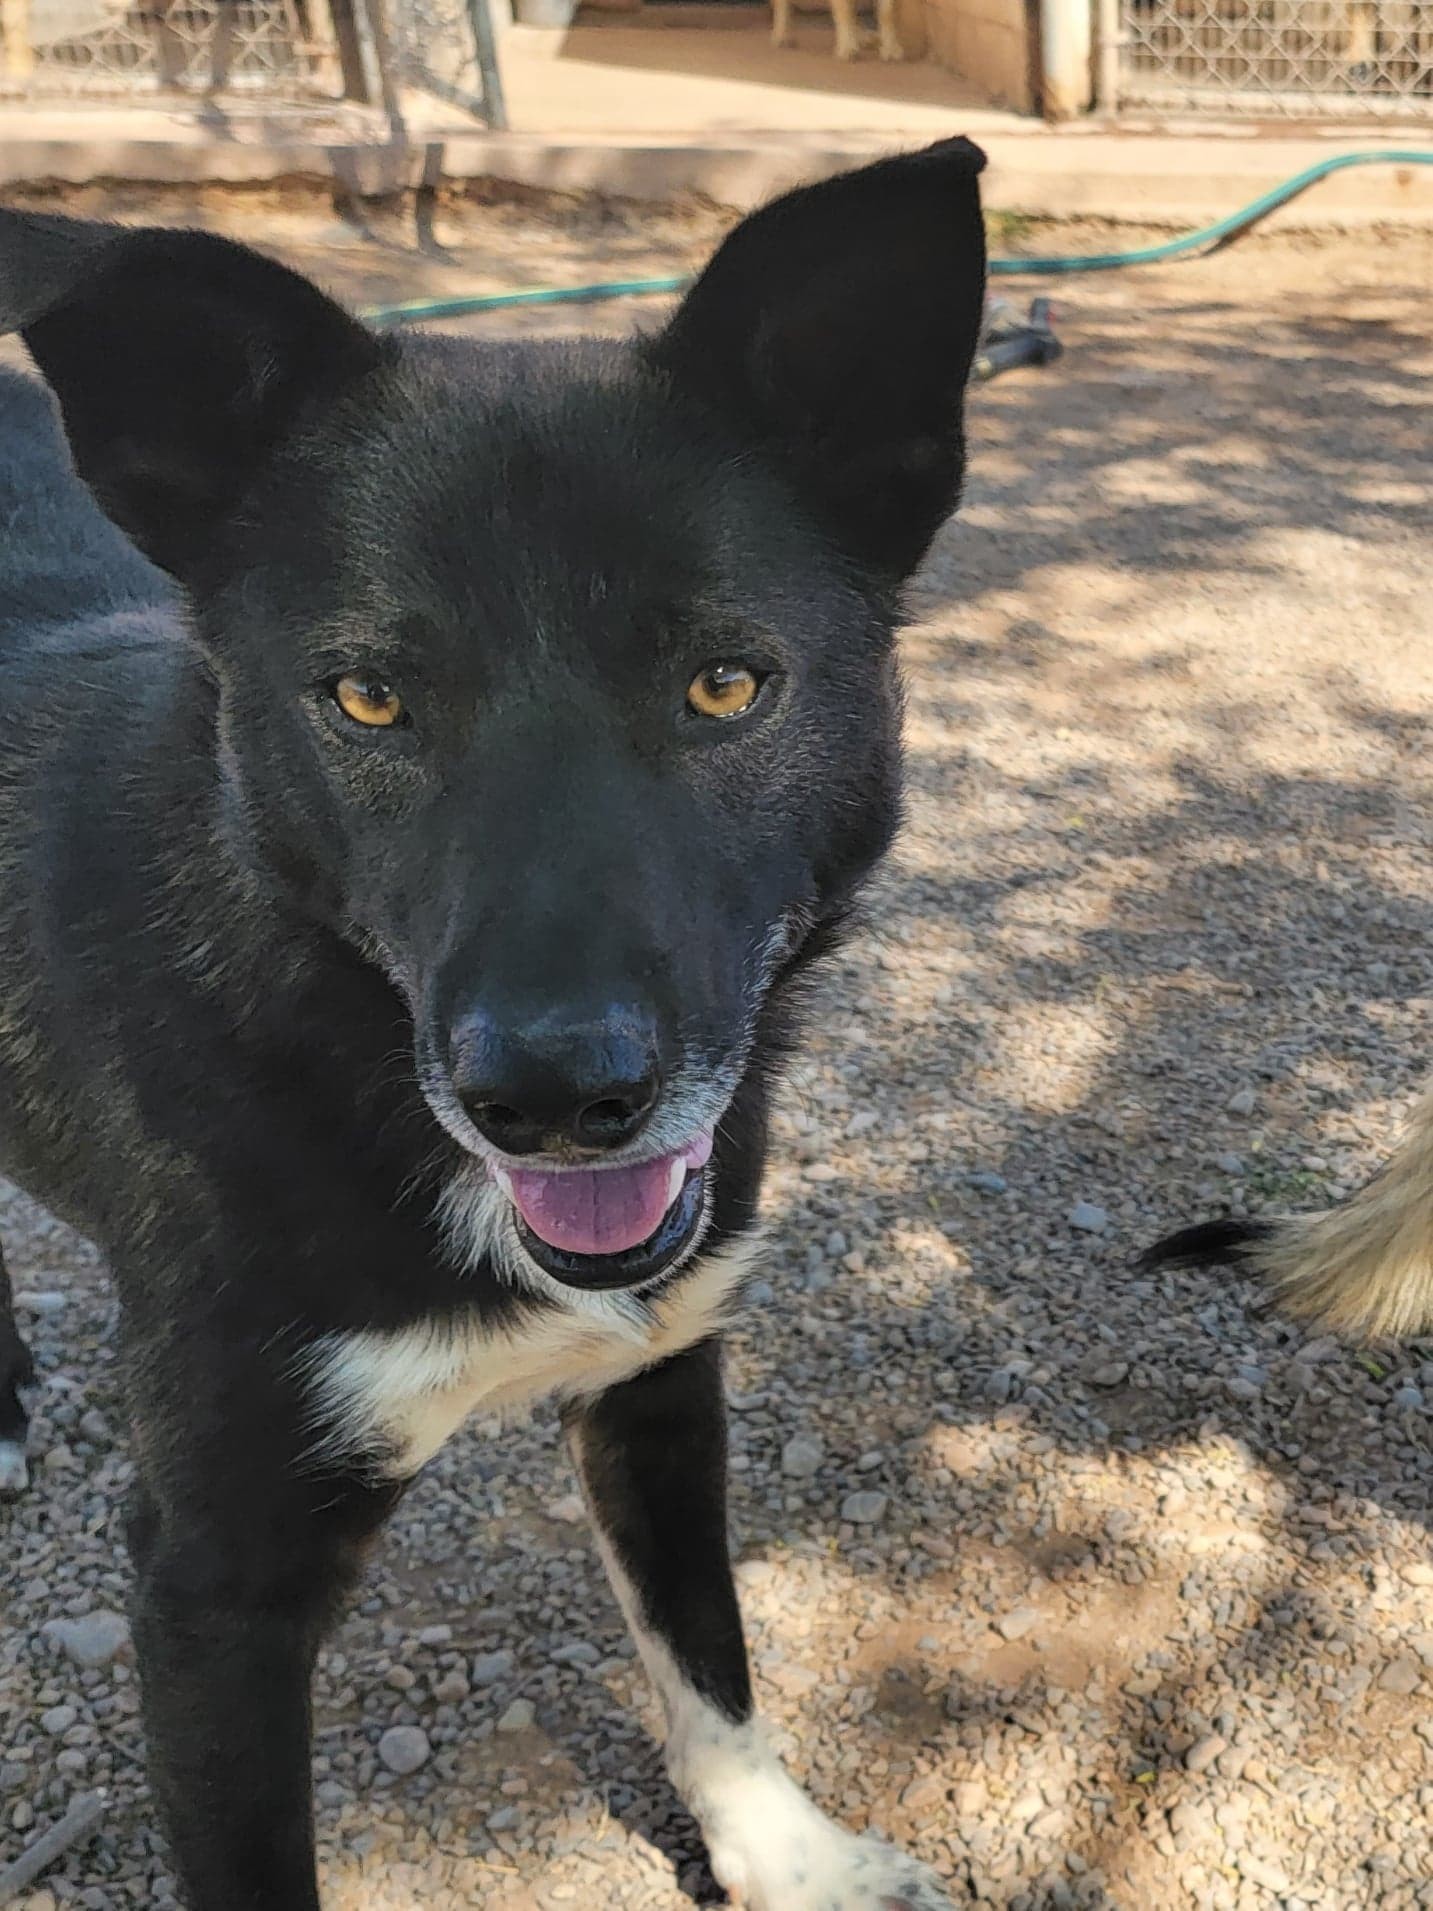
<point x="1095" y="1589"/>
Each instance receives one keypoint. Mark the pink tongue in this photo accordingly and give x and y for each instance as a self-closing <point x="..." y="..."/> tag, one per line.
<point x="600" y="1210"/>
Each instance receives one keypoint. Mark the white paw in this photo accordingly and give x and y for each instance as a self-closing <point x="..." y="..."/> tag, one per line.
<point x="14" y="1470"/>
<point x="822" y="1868"/>
<point x="782" y="36"/>
<point x="892" y="50"/>
<point x="771" y="1847"/>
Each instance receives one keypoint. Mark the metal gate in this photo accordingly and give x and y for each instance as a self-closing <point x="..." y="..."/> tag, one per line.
<point x="295" y="52"/>
<point x="1342" y="59"/>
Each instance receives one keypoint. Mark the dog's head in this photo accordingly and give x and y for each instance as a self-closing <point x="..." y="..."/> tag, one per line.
<point x="558" y="679"/>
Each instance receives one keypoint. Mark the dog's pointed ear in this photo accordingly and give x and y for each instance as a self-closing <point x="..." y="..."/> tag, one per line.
<point x="836" y="328"/>
<point x="180" y="360"/>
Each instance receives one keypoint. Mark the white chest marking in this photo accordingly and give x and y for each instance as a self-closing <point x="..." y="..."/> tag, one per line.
<point x="401" y="1395"/>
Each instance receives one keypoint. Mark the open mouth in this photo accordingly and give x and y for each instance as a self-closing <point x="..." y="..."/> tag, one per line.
<point x="610" y="1227"/>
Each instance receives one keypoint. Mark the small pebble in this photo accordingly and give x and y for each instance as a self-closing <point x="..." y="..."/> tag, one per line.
<point x="863" y="1509"/>
<point x="1202" y="1754"/>
<point x="1110" y="1373"/>
<point x="91" y="1641"/>
<point x="404" y="1749"/>
<point x="1015" y="1625"/>
<point x="1402" y="1675"/>
<point x="801" y="1456"/>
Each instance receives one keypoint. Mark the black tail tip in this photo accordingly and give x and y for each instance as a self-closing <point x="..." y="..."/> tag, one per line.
<point x="1209" y="1244"/>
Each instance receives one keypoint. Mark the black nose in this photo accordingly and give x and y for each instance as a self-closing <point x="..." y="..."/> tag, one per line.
<point x="558" y="1082"/>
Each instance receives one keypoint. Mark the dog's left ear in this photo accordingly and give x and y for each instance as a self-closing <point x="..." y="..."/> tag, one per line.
<point x="180" y="361"/>
<point x="836" y="329"/>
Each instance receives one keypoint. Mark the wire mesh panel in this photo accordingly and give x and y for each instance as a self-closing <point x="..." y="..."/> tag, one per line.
<point x="123" y="47"/>
<point x="1313" y="58"/>
<point x="299" y="51"/>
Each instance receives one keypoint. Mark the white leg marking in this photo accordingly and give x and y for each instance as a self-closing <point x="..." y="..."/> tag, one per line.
<point x="781" y="22"/>
<point x="14" y="1469"/>
<point x="770" y="1846"/>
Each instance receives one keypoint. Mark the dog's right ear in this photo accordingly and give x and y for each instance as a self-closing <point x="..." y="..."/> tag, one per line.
<point x="834" y="332"/>
<point x="180" y="361"/>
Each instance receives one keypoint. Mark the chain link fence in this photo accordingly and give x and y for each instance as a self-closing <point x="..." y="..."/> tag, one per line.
<point x="1285" y="59"/>
<point x="294" y="52"/>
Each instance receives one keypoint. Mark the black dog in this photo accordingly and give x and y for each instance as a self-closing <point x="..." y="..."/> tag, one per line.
<point x="401" y="920"/>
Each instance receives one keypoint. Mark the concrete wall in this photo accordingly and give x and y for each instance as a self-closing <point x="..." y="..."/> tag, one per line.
<point x="987" y="41"/>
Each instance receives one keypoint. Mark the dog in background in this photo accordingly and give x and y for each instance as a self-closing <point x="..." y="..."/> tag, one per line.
<point x="851" y="40"/>
<point x="412" y="856"/>
<point x="1364" y="1269"/>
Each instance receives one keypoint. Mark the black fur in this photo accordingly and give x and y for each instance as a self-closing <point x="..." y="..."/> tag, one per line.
<point x="653" y="1458"/>
<point x="1224" y="1243"/>
<point x="235" y="931"/>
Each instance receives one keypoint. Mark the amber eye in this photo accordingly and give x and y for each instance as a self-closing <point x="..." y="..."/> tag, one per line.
<point x="723" y="690"/>
<point x="368" y="700"/>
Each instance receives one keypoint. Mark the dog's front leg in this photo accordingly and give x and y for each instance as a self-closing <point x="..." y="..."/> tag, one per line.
<point x="652" y="1456"/>
<point x="240" y="1560"/>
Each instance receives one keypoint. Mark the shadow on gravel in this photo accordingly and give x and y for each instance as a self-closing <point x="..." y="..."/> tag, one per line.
<point x="1148" y="872"/>
<point x="1206" y="886"/>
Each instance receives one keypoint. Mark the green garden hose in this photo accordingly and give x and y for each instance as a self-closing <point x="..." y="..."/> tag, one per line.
<point x="1192" y="243"/>
<point x="530" y="295"/>
<point x="1208" y="238"/>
